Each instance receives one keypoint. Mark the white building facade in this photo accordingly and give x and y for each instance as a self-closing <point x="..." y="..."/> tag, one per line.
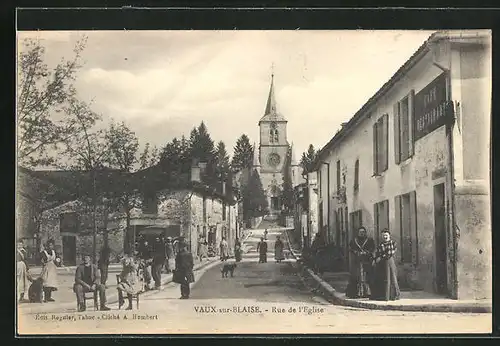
<point x="426" y="177"/>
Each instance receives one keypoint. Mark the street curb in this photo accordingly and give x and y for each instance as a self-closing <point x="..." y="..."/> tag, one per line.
<point x="338" y="298"/>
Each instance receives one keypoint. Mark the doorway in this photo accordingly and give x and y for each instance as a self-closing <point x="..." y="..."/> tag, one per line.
<point x="274" y="203"/>
<point x="69" y="250"/>
<point x="440" y="239"/>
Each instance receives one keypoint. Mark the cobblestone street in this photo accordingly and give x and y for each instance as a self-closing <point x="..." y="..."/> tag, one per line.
<point x="260" y="298"/>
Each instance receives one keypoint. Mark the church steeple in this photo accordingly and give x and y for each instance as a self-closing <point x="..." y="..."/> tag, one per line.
<point x="271" y="111"/>
<point x="271" y="100"/>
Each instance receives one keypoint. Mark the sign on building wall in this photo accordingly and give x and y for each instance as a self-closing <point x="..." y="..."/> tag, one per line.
<point x="430" y="107"/>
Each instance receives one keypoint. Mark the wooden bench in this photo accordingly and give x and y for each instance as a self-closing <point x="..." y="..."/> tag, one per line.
<point x="140" y="275"/>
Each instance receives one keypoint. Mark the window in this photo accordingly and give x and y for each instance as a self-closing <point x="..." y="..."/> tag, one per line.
<point x="381" y="217"/>
<point x="150" y="203"/>
<point x="356" y="221"/>
<point x="276" y="139"/>
<point x="68" y="222"/>
<point x="338" y="175"/>
<point x="380" y="145"/>
<point x="356" y="176"/>
<point x="223" y="211"/>
<point x="403" y="129"/>
<point x="406" y="221"/>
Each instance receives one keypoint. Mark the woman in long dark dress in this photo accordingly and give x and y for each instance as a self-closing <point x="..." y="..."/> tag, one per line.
<point x="385" y="281"/>
<point x="362" y="248"/>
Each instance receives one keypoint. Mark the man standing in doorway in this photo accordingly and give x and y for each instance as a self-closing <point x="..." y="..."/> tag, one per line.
<point x="158" y="261"/>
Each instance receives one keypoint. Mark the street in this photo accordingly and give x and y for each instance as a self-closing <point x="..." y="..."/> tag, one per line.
<point x="260" y="298"/>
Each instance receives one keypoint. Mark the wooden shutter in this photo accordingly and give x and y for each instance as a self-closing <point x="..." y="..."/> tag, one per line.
<point x="397" y="142"/>
<point x="375" y="223"/>
<point x="375" y="151"/>
<point x="385" y="140"/>
<point x="413" y="226"/>
<point x="397" y="224"/>
<point x="411" y="112"/>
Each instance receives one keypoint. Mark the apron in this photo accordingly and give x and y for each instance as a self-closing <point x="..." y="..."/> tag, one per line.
<point x="49" y="271"/>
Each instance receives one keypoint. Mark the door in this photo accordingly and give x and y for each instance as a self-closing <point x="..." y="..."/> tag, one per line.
<point x="69" y="250"/>
<point x="440" y="239"/>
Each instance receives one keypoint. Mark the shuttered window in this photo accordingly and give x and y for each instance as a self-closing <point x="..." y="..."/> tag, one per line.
<point x="403" y="128"/>
<point x="381" y="217"/>
<point x="406" y="222"/>
<point x="380" y="145"/>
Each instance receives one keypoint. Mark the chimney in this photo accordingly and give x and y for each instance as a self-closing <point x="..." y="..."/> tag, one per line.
<point x="195" y="171"/>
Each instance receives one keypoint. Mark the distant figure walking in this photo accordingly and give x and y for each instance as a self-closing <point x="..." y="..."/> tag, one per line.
<point x="237" y="250"/>
<point x="184" y="274"/>
<point x="49" y="271"/>
<point x="262" y="249"/>
<point x="224" y="249"/>
<point x="278" y="250"/>
<point x="385" y="281"/>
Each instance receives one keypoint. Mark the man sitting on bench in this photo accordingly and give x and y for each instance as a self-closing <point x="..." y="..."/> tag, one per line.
<point x="88" y="279"/>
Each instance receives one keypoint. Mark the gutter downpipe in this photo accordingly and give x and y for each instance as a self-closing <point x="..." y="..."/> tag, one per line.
<point x="451" y="201"/>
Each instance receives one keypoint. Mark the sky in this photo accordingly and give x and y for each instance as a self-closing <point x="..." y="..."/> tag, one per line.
<point x="162" y="83"/>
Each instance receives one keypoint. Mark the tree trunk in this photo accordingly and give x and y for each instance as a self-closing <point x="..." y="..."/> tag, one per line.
<point x="105" y="235"/>
<point x="94" y="221"/>
<point x="129" y="236"/>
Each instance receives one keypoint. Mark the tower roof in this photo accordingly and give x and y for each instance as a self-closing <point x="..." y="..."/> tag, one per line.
<point x="271" y="113"/>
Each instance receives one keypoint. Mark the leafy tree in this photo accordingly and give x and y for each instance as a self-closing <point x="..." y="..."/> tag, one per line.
<point x="221" y="162"/>
<point x="254" y="199"/>
<point x="202" y="148"/>
<point x="243" y="154"/>
<point x="287" y="192"/>
<point x="41" y="101"/>
<point x="86" y="150"/>
<point x="307" y="160"/>
<point x="124" y="194"/>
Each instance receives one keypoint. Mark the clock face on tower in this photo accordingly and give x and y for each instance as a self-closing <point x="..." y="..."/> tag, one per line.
<point x="273" y="159"/>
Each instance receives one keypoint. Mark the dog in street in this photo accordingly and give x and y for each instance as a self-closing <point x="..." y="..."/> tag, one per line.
<point x="228" y="268"/>
<point x="35" y="291"/>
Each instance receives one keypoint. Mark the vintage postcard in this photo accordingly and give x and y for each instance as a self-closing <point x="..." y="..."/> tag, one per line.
<point x="243" y="182"/>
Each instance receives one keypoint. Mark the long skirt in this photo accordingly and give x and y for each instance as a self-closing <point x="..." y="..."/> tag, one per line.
<point x="278" y="254"/>
<point x="237" y="254"/>
<point x="385" y="281"/>
<point x="49" y="276"/>
<point x="358" y="286"/>
<point x="22" y="280"/>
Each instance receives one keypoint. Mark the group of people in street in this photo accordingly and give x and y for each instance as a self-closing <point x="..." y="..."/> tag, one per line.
<point x="279" y="248"/>
<point x="373" y="271"/>
<point x="156" y="257"/>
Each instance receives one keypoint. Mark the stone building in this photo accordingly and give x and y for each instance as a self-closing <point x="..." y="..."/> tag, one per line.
<point x="270" y="155"/>
<point x="191" y="210"/>
<point x="426" y="178"/>
<point x="306" y="210"/>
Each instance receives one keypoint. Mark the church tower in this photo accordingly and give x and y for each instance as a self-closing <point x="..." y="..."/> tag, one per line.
<point x="273" y="148"/>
